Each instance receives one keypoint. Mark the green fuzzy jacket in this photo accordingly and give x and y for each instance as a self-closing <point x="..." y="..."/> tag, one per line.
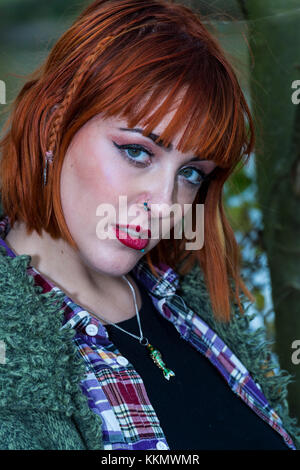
<point x="41" y="403"/>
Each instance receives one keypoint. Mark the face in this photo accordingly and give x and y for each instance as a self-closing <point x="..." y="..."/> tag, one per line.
<point x="106" y="160"/>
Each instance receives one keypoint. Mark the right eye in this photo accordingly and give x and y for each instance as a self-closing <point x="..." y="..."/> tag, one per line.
<point x="133" y="154"/>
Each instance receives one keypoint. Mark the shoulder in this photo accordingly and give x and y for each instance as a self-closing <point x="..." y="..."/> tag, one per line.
<point x="40" y="359"/>
<point x="22" y="302"/>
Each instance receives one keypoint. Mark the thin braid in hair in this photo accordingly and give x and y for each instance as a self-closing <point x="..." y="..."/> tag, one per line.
<point x="59" y="115"/>
<point x="70" y="93"/>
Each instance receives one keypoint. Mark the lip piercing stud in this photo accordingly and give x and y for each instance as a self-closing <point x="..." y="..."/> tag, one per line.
<point x="146" y="209"/>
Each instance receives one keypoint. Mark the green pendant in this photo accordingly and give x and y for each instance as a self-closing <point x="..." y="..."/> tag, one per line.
<point x="157" y="359"/>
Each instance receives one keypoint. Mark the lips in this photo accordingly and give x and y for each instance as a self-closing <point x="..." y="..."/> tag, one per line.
<point x="135" y="231"/>
<point x="132" y="239"/>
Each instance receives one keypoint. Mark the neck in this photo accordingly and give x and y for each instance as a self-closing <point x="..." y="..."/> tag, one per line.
<point x="102" y="294"/>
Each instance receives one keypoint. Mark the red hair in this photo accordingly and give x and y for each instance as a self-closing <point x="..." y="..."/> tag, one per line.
<point x="108" y="61"/>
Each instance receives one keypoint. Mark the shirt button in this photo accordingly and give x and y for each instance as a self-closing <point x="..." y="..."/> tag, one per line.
<point x="91" y="330"/>
<point x="122" y="360"/>
<point x="161" y="445"/>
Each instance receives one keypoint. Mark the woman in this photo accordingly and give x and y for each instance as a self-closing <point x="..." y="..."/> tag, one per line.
<point x="103" y="349"/>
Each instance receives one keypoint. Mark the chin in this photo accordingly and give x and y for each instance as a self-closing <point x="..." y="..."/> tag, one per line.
<point x="113" y="263"/>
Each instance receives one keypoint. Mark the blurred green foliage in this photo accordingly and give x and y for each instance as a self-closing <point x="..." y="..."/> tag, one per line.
<point x="20" y="11"/>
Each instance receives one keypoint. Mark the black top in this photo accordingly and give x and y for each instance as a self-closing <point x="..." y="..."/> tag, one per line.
<point x="196" y="408"/>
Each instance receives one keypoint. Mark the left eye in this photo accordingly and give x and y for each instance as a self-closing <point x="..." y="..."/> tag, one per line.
<point x="196" y="176"/>
<point x="133" y="153"/>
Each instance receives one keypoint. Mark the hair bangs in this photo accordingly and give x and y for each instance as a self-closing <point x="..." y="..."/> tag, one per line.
<point x="204" y="95"/>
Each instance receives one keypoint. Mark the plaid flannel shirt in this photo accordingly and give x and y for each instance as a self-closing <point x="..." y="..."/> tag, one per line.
<point x="116" y="392"/>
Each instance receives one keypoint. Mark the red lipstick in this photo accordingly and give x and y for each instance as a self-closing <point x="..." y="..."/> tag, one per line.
<point x="130" y="241"/>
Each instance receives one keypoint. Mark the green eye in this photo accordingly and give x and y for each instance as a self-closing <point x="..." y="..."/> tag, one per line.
<point x="133" y="153"/>
<point x="193" y="176"/>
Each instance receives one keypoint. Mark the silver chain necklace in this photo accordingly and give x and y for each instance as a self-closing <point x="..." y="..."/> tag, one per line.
<point x="155" y="354"/>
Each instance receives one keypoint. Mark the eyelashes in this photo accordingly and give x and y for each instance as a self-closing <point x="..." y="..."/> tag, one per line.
<point x="133" y="160"/>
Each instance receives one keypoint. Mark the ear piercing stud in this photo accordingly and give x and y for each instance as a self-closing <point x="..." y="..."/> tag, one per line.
<point x="49" y="159"/>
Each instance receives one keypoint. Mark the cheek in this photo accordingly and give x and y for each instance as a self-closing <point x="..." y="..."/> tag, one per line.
<point x="93" y="173"/>
<point x="185" y="198"/>
<point x="186" y="194"/>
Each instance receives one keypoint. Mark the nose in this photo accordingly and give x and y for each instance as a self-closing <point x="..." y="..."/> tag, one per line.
<point x="164" y="210"/>
<point x="161" y="198"/>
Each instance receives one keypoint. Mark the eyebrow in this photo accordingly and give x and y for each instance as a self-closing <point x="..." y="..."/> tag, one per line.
<point x="155" y="137"/>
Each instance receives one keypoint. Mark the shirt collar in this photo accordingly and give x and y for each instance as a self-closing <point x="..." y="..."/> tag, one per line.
<point x="164" y="285"/>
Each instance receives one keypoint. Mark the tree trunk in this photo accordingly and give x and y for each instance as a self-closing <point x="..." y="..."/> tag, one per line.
<point x="275" y="63"/>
